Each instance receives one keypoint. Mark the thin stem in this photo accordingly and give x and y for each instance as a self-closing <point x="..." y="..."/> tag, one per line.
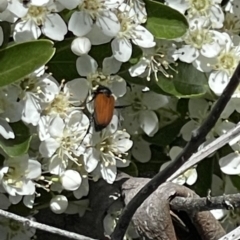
<point x="32" y="224"/>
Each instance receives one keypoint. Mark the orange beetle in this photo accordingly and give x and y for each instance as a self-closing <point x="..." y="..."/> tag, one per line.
<point x="104" y="103"/>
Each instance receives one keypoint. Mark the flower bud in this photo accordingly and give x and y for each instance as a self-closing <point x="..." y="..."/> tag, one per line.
<point x="70" y="180"/>
<point x="59" y="204"/>
<point x="80" y="46"/>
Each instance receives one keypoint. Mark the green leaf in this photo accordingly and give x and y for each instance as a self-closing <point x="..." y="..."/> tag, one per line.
<point x="235" y="181"/>
<point x="20" y="144"/>
<point x="167" y="134"/>
<point x="6" y="28"/>
<point x="186" y="82"/>
<point x="99" y="52"/>
<point x="63" y="63"/>
<point x="182" y="107"/>
<point x="165" y="22"/>
<point x="19" y="60"/>
<point x="66" y="14"/>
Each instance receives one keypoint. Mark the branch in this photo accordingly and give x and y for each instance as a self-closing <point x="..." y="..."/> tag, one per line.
<point x="233" y="235"/>
<point x="198" y="137"/>
<point x="33" y="224"/>
<point x="228" y="202"/>
<point x="207" y="150"/>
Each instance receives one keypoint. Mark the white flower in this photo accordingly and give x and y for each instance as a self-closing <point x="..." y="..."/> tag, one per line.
<point x="59" y="204"/>
<point x="38" y="89"/>
<point x="130" y="30"/>
<point x="73" y="94"/>
<point x="155" y="60"/>
<point x="107" y="150"/>
<point x="223" y="65"/>
<point x="36" y="19"/>
<point x="62" y="139"/>
<point x="98" y="12"/>
<point x="140" y="112"/>
<point x="88" y="67"/>
<point x="231" y="24"/>
<point x="13" y="230"/>
<point x="80" y="46"/>
<point x="200" y="40"/>
<point x="210" y="9"/>
<point x="10" y="110"/>
<point x="189" y="177"/>
<point x="17" y="175"/>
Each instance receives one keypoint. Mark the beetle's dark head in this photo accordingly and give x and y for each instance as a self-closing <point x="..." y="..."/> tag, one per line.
<point x="103" y="90"/>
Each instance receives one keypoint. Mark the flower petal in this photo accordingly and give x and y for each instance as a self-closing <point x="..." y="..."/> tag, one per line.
<point x="230" y="164"/>
<point x="148" y="121"/>
<point x="86" y="65"/>
<point x="54" y="27"/>
<point x="80" y="23"/>
<point x="122" y="49"/>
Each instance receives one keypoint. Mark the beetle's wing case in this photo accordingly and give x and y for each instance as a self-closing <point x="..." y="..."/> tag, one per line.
<point x="103" y="110"/>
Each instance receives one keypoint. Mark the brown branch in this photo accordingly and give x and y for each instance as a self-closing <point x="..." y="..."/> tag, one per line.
<point x="198" y="137"/>
<point x="228" y="202"/>
<point x="162" y="222"/>
<point x="155" y="219"/>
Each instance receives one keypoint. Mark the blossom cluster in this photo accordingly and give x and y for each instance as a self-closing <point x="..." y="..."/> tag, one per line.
<point x="66" y="152"/>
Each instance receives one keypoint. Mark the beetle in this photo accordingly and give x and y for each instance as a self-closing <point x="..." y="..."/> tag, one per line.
<point x="104" y="103"/>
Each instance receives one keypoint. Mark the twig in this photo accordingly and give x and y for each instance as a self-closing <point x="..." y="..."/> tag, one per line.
<point x="228" y="202"/>
<point x="207" y="150"/>
<point x="233" y="235"/>
<point x="198" y="137"/>
<point x="29" y="223"/>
